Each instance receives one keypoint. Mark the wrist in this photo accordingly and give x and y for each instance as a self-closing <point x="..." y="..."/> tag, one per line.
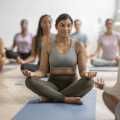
<point x="33" y="74"/>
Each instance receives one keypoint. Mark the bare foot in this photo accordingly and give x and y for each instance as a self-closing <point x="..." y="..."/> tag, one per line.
<point x="72" y="100"/>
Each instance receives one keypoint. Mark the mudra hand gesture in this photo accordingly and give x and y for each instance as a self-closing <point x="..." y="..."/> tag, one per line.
<point x="27" y="73"/>
<point x="99" y="83"/>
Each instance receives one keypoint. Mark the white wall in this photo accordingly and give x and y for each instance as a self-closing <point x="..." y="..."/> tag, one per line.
<point x="89" y="11"/>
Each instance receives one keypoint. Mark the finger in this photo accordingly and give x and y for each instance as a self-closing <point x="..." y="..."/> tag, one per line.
<point x="97" y="81"/>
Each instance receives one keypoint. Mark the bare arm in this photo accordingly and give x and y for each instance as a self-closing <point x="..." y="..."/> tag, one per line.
<point x="14" y="42"/>
<point x="32" y="57"/>
<point x="33" y="53"/>
<point x="82" y="62"/>
<point x="13" y="45"/>
<point x="97" y="52"/>
<point x="81" y="57"/>
<point x="44" y="64"/>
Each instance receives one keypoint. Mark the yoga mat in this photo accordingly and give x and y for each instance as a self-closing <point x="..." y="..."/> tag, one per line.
<point x="35" y="110"/>
<point x="104" y="69"/>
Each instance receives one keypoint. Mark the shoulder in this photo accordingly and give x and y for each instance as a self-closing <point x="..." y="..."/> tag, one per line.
<point x="73" y="34"/>
<point x="30" y="35"/>
<point x="100" y="38"/>
<point x="117" y="34"/>
<point x="16" y="36"/>
<point x="77" y="43"/>
<point x="84" y="35"/>
<point x="101" y="35"/>
<point x="78" y="46"/>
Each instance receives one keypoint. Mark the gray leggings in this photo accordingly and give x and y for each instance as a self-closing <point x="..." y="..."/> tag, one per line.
<point x="58" y="87"/>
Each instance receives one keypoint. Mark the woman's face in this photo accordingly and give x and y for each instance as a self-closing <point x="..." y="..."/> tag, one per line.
<point x="46" y="23"/>
<point x="64" y="27"/>
<point x="109" y="24"/>
<point x="24" y="26"/>
<point x="77" y="25"/>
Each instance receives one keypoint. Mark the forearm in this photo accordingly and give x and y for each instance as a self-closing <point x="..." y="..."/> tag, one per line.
<point x="29" y="60"/>
<point x="38" y="74"/>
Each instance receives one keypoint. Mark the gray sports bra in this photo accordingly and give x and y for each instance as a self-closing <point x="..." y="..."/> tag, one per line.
<point x="58" y="60"/>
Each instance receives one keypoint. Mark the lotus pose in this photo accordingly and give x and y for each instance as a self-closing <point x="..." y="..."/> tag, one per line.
<point x="60" y="58"/>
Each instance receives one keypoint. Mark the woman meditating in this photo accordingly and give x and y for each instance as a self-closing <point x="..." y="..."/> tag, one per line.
<point x="108" y="44"/>
<point x="60" y="59"/>
<point x="22" y="41"/>
<point x="43" y="31"/>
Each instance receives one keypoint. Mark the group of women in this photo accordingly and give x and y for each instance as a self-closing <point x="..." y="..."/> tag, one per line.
<point x="59" y="55"/>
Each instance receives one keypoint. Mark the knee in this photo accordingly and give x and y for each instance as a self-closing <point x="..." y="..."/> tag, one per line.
<point x="107" y="98"/>
<point x="104" y="96"/>
<point x="89" y="83"/>
<point x="32" y="83"/>
<point x="29" y="82"/>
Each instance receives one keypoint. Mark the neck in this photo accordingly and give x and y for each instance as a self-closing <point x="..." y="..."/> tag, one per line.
<point x="63" y="39"/>
<point x="46" y="32"/>
<point x="109" y="32"/>
<point x="23" y="32"/>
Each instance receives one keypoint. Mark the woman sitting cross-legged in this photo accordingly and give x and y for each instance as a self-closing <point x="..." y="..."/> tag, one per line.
<point x="60" y="59"/>
<point x="43" y="34"/>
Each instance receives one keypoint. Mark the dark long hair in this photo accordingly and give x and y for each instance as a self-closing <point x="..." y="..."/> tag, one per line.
<point x="39" y="33"/>
<point x="63" y="16"/>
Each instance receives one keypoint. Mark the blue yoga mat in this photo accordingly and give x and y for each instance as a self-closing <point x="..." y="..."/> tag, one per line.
<point x="35" y="110"/>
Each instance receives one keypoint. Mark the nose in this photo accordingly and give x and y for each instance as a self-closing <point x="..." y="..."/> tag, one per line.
<point x="66" y="28"/>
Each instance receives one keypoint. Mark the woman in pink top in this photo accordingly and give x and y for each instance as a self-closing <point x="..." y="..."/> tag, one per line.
<point x="108" y="44"/>
<point x="22" y="41"/>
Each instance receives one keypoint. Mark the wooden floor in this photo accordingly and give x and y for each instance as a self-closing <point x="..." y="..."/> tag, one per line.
<point x="14" y="94"/>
